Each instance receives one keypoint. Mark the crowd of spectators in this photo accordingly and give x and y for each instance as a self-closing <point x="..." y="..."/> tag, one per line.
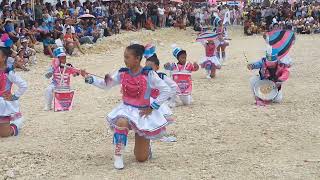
<point x="302" y="17"/>
<point x="70" y="24"/>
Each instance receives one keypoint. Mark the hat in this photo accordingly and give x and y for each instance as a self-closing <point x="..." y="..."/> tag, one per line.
<point x="176" y="50"/>
<point x="59" y="52"/>
<point x="149" y="50"/>
<point x="134" y="42"/>
<point x="5" y="41"/>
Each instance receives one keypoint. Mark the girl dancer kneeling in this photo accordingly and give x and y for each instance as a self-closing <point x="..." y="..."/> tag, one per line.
<point x="153" y="62"/>
<point x="135" y="112"/>
<point x="60" y="74"/>
<point x="181" y="73"/>
<point x="270" y="69"/>
<point x="210" y="63"/>
<point x="10" y="116"/>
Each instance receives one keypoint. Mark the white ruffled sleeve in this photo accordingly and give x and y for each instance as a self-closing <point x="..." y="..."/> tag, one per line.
<point x="157" y="83"/>
<point x="100" y="83"/>
<point x="172" y="85"/>
<point x="18" y="81"/>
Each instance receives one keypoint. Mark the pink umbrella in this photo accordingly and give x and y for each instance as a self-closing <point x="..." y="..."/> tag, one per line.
<point x="206" y="36"/>
<point x="177" y="1"/>
<point x="86" y="16"/>
<point x="212" y="2"/>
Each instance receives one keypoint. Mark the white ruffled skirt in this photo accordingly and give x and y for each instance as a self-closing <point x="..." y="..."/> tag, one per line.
<point x="207" y="62"/>
<point x="8" y="108"/>
<point x="150" y="127"/>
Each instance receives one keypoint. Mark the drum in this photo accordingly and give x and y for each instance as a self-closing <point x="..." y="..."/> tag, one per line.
<point x="63" y="99"/>
<point x="265" y="90"/>
<point x="184" y="83"/>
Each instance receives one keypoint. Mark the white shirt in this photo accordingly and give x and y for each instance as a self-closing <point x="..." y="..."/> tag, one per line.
<point x="161" y="11"/>
<point x="136" y="9"/>
<point x="68" y="26"/>
<point x="58" y="42"/>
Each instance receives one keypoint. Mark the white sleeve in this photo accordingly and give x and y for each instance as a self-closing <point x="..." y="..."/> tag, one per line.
<point x="137" y="10"/>
<point x="157" y="83"/>
<point x="172" y="85"/>
<point x="100" y="83"/>
<point x="18" y="81"/>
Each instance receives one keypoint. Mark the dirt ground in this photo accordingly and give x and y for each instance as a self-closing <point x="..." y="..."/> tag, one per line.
<point x="222" y="135"/>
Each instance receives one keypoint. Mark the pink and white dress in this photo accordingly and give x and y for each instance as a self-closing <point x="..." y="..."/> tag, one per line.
<point x="136" y="93"/>
<point x="181" y="74"/>
<point x="7" y="79"/>
<point x="61" y="75"/>
<point x="210" y="59"/>
<point x="61" y="79"/>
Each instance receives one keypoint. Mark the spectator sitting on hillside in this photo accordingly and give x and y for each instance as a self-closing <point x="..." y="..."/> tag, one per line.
<point x="48" y="44"/>
<point x="149" y="24"/>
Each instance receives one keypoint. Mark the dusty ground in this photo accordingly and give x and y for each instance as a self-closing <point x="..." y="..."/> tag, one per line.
<point x="221" y="136"/>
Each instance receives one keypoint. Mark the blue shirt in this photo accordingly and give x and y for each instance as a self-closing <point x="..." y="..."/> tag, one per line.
<point x="50" y="28"/>
<point x="71" y="11"/>
<point x="48" y="41"/>
<point x="44" y="28"/>
<point x="78" y="29"/>
<point x="9" y="28"/>
<point x="89" y="31"/>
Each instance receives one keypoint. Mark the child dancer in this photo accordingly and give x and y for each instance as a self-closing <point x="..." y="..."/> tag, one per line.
<point x="10" y="116"/>
<point x="153" y="62"/>
<point x="210" y="63"/>
<point x="135" y="112"/>
<point x="60" y="74"/>
<point x="221" y="49"/>
<point x="181" y="73"/>
<point x="272" y="69"/>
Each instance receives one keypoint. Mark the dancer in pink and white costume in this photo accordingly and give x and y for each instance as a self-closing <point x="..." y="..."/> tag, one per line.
<point x="223" y="38"/>
<point x="210" y="62"/>
<point x="270" y="68"/>
<point x="10" y="116"/>
<point x="135" y="112"/>
<point x="60" y="74"/>
<point x="153" y="62"/>
<point x="181" y="74"/>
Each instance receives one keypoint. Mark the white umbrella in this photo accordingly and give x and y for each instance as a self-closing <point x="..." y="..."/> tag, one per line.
<point x="86" y="16"/>
<point x="177" y="1"/>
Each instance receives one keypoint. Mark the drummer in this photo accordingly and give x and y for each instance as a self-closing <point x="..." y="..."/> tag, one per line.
<point x="270" y="69"/>
<point x="181" y="74"/>
<point x="60" y="74"/>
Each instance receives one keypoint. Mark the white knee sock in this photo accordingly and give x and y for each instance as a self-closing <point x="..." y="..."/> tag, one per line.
<point x="186" y="100"/>
<point x="48" y="98"/>
<point x="120" y="142"/>
<point x="16" y="126"/>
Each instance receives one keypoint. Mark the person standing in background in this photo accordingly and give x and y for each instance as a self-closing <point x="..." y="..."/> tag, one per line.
<point x="154" y="14"/>
<point x="38" y="12"/>
<point x="162" y="18"/>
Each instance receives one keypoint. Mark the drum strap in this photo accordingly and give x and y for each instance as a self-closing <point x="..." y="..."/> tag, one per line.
<point x="62" y="75"/>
